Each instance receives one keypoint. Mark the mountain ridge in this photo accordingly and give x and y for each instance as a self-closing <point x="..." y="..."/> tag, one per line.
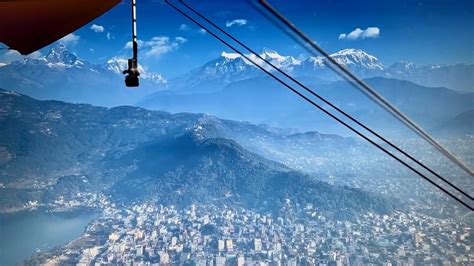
<point x="262" y="100"/>
<point x="358" y="61"/>
<point x="131" y="154"/>
<point x="61" y="75"/>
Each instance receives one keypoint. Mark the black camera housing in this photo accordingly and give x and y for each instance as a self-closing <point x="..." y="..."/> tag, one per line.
<point x="131" y="79"/>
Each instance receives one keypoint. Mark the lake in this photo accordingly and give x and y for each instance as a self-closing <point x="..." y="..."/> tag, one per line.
<point x="21" y="234"/>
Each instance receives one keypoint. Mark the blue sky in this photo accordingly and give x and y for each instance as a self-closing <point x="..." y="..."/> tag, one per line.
<point x="436" y="31"/>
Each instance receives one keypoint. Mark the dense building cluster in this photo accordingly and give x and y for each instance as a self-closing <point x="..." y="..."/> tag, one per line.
<point x="222" y="235"/>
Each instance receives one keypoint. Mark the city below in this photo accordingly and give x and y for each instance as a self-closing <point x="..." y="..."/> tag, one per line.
<point x="217" y="234"/>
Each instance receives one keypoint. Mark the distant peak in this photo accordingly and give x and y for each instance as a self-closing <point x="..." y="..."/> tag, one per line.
<point x="403" y="66"/>
<point x="59" y="54"/>
<point x="357" y="57"/>
<point x="230" y="55"/>
<point x="352" y="52"/>
<point x="119" y="64"/>
<point x="266" y="53"/>
<point x="269" y="52"/>
<point x="58" y="48"/>
<point x="59" y="45"/>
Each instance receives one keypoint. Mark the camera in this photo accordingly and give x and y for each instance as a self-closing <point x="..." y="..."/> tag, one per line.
<point x="131" y="79"/>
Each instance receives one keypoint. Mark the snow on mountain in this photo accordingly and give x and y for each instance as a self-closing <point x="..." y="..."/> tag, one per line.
<point x="62" y="75"/>
<point x="59" y="55"/>
<point x="356" y="57"/>
<point x="286" y="63"/>
<point x="228" y="68"/>
<point x="215" y="75"/>
<point x="230" y="56"/>
<point x="118" y="65"/>
<point x="232" y="67"/>
<point x="458" y="77"/>
<point x="228" y="63"/>
<point x="234" y="63"/>
<point x="402" y="67"/>
<point x="316" y="61"/>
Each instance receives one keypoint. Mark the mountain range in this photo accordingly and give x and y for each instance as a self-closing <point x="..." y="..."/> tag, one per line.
<point x="61" y="75"/>
<point x="231" y="67"/>
<point x="231" y="87"/>
<point x="262" y="100"/>
<point x="52" y="150"/>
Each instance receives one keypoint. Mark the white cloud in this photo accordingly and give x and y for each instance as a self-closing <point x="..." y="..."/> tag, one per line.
<point x="97" y="28"/>
<point x="157" y="46"/>
<point x="370" y="32"/>
<point x="110" y="36"/>
<point x="237" y="22"/>
<point x="181" y="40"/>
<point x="202" y="31"/>
<point x="70" y="40"/>
<point x="156" y="51"/>
<point x="13" y="55"/>
<point x="10" y="56"/>
<point x="184" y="27"/>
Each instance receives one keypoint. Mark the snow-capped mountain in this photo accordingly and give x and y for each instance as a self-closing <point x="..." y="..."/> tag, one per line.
<point x="351" y="58"/>
<point x="287" y="63"/>
<point x="357" y="58"/>
<point x="61" y="56"/>
<point x="232" y="87"/>
<point x="228" y="68"/>
<point x="401" y="67"/>
<point x="62" y="75"/>
<point x="58" y="57"/>
<point x="459" y="77"/>
<point x="232" y="67"/>
<point x="118" y="65"/>
<point x="214" y="75"/>
<point x="358" y="61"/>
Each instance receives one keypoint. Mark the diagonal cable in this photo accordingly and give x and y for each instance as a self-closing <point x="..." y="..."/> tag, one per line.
<point x="327" y="102"/>
<point x="365" y="88"/>
<point x="320" y="107"/>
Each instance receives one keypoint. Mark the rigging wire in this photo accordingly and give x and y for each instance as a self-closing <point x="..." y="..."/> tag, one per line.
<point x="365" y="88"/>
<point x="320" y="107"/>
<point x="328" y="102"/>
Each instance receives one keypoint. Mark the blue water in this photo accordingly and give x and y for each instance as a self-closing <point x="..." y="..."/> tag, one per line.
<point x="21" y="234"/>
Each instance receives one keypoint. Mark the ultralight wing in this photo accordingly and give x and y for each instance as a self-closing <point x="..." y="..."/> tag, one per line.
<point x="29" y="25"/>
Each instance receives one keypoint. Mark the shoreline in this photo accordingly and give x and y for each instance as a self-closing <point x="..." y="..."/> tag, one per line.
<point x="59" y="218"/>
<point x="49" y="210"/>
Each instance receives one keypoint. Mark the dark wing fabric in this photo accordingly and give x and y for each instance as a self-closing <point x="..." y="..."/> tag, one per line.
<point x="28" y="25"/>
